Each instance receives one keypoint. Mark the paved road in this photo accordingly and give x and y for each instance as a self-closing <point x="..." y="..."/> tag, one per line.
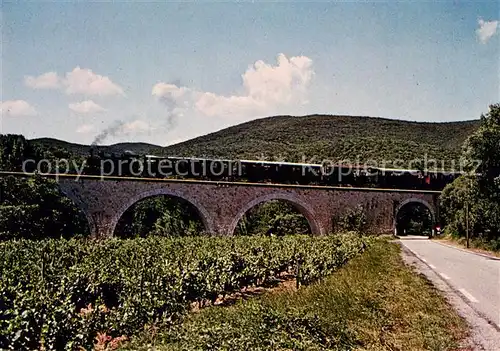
<point x="477" y="278"/>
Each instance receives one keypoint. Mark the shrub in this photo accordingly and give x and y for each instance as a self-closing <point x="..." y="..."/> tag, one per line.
<point x="34" y="208"/>
<point x="354" y="220"/>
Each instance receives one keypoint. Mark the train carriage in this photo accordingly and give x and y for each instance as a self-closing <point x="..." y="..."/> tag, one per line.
<point x="131" y="164"/>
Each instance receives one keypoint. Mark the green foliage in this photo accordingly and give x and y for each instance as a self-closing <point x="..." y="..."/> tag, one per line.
<point x="479" y="193"/>
<point x="273" y="218"/>
<point x="161" y="216"/>
<point x="375" y="302"/>
<point x="483" y="211"/>
<point x="79" y="150"/>
<point x="334" y="138"/>
<point x="354" y="220"/>
<point x="58" y="294"/>
<point x="323" y="136"/>
<point x="414" y="219"/>
<point x="14" y="149"/>
<point x="484" y="146"/>
<point x="34" y="208"/>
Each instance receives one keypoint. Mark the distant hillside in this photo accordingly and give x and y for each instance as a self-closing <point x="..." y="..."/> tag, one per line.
<point x="289" y="138"/>
<point x="332" y="137"/>
<point x="83" y="150"/>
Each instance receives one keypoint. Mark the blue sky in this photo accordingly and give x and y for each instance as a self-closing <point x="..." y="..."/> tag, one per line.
<point x="172" y="71"/>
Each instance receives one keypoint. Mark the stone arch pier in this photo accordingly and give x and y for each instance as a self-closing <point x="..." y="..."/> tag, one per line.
<point x="222" y="204"/>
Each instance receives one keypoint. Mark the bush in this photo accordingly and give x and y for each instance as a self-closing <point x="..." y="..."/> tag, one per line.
<point x="161" y="216"/>
<point x="483" y="210"/>
<point x="354" y="220"/>
<point x="477" y="196"/>
<point x="275" y="217"/>
<point x="34" y="208"/>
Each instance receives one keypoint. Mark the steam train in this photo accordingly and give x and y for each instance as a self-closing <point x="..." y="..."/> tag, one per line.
<point x="130" y="164"/>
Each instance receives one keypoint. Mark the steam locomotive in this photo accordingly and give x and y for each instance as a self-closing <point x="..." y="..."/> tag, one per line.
<point x="130" y="164"/>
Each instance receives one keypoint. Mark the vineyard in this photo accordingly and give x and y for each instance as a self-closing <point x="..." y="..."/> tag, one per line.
<point x="59" y="294"/>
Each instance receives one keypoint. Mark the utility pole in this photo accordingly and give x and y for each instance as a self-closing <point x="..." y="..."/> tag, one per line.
<point x="467" y="200"/>
<point x="467" y="221"/>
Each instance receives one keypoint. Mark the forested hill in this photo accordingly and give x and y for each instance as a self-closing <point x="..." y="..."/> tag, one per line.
<point x="333" y="137"/>
<point x="83" y="150"/>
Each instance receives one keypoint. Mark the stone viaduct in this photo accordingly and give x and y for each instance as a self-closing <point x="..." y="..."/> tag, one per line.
<point x="222" y="204"/>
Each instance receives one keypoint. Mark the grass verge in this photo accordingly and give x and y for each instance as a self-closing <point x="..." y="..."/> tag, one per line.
<point x="374" y="303"/>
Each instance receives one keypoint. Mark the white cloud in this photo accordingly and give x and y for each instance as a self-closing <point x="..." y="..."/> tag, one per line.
<point x="87" y="106"/>
<point x="84" y="81"/>
<point x="78" y="81"/>
<point x="16" y="108"/>
<point x="137" y="126"/>
<point x="85" y="129"/>
<point x="172" y="90"/>
<point x="267" y="88"/>
<point x="486" y="30"/>
<point x="49" y="80"/>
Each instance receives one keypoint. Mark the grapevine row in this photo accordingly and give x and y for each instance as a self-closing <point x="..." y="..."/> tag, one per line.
<point x="58" y="294"/>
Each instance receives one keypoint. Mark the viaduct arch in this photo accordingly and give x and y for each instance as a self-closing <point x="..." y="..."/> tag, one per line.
<point x="300" y="205"/>
<point x="432" y="209"/>
<point x="202" y="212"/>
<point x="222" y="204"/>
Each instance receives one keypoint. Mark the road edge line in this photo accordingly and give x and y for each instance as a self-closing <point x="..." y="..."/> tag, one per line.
<point x="491" y="257"/>
<point x="468" y="295"/>
<point x="456" y="291"/>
